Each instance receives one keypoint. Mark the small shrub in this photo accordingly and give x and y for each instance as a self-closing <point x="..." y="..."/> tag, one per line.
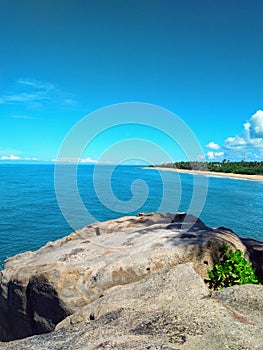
<point x="231" y="269"/>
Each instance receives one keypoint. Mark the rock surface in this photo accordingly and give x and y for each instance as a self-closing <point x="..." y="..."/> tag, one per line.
<point x="131" y="283"/>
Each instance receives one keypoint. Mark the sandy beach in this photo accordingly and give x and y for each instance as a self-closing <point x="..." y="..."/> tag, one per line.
<point x="215" y="174"/>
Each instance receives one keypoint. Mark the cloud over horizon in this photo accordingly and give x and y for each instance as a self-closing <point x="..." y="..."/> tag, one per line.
<point x="212" y="155"/>
<point x="246" y="145"/>
<point x="13" y="157"/>
<point x="75" y="160"/>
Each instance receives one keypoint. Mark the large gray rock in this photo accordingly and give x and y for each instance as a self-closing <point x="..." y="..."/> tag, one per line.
<point x="126" y="282"/>
<point x="169" y="309"/>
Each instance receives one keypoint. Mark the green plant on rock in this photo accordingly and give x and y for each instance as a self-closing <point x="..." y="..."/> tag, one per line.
<point x="231" y="269"/>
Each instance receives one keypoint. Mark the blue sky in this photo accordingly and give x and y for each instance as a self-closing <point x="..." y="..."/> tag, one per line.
<point x="63" y="59"/>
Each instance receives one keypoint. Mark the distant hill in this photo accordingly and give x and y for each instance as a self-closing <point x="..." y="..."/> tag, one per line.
<point x="248" y="168"/>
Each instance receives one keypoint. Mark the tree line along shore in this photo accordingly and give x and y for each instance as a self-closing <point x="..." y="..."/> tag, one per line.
<point x="226" y="166"/>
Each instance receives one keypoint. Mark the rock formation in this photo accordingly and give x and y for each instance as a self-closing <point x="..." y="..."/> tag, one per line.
<point x="131" y="283"/>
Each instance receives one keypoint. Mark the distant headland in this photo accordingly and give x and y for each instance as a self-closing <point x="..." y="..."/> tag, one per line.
<point x="241" y="170"/>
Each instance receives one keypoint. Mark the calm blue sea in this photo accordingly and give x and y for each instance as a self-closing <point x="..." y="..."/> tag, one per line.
<point x="30" y="215"/>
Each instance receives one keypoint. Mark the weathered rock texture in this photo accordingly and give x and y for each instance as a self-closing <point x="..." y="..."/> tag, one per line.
<point x="131" y="283"/>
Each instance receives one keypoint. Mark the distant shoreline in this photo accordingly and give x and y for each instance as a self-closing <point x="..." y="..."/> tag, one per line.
<point x="212" y="173"/>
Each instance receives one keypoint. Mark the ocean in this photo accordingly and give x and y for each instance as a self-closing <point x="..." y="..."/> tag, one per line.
<point x="31" y="215"/>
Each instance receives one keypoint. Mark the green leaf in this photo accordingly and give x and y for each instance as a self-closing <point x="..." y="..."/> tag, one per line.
<point x="232" y="268"/>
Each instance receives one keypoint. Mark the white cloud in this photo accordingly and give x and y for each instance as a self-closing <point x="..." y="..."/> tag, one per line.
<point x="22" y="97"/>
<point x="213" y="145"/>
<point x="36" y="84"/>
<point x="234" y="142"/>
<point x="249" y="144"/>
<point x="212" y="155"/>
<point x="88" y="160"/>
<point x="252" y="135"/>
<point x="11" y="157"/>
<point x="75" y="160"/>
<point x="28" y="158"/>
<point x="258" y="143"/>
<point x="230" y="139"/>
<point x="246" y="126"/>
<point x="255" y="125"/>
<point x="14" y="158"/>
<point x="36" y="92"/>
